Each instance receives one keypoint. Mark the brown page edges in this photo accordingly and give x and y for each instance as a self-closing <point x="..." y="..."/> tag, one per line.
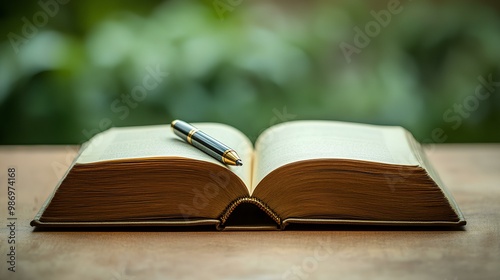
<point x="225" y="215"/>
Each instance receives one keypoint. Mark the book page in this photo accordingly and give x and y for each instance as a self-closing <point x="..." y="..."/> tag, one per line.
<point x="160" y="141"/>
<point x="304" y="140"/>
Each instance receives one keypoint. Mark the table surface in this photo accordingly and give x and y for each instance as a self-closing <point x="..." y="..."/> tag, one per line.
<point x="471" y="172"/>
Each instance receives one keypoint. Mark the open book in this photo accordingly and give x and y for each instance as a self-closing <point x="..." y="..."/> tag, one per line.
<point x="298" y="172"/>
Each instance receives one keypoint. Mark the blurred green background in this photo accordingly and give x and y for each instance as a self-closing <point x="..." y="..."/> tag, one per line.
<point x="70" y="70"/>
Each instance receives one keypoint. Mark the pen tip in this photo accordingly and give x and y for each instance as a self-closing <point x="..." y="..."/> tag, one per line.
<point x="239" y="162"/>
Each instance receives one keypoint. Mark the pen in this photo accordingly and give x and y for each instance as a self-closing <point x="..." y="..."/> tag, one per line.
<point x="206" y="143"/>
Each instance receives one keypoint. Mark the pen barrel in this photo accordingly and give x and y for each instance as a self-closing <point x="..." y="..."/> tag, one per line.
<point x="200" y="140"/>
<point x="209" y="145"/>
<point x="182" y="129"/>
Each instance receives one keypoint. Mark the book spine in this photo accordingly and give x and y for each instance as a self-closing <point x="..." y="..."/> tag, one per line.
<point x="227" y="213"/>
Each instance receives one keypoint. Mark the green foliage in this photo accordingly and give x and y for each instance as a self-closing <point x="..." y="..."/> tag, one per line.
<point x="254" y="65"/>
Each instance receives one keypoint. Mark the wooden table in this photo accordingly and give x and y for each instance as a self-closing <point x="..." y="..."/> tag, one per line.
<point x="472" y="172"/>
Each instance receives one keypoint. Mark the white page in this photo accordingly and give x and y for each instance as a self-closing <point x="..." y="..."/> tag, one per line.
<point x="160" y="141"/>
<point x="304" y="140"/>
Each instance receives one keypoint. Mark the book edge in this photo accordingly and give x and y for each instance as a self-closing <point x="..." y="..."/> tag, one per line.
<point x="217" y="224"/>
<point x="289" y="221"/>
<point x="431" y="172"/>
<point x="198" y="222"/>
<point x="40" y="212"/>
